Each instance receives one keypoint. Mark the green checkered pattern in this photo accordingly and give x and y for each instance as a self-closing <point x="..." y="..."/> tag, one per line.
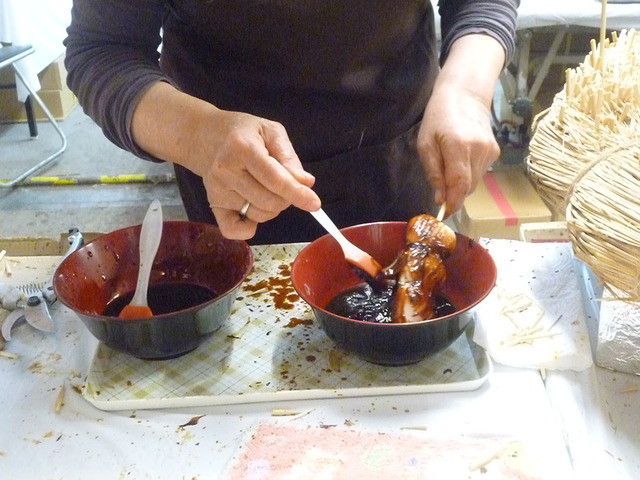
<point x="258" y="356"/>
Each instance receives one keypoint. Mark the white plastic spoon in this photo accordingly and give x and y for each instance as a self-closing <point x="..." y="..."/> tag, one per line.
<point x="352" y="254"/>
<point x="150" y="235"/>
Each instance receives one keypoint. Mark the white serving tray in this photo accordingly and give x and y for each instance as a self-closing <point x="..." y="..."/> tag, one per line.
<point x="272" y="349"/>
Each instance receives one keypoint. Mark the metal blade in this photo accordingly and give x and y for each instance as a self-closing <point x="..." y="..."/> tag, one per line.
<point x="37" y="314"/>
<point x="76" y="240"/>
<point x="10" y="321"/>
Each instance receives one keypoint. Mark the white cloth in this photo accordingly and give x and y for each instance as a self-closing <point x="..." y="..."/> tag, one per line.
<point x="81" y="441"/>
<point x="534" y="317"/>
<point x="162" y="443"/>
<point x="584" y="13"/>
<point x="39" y="23"/>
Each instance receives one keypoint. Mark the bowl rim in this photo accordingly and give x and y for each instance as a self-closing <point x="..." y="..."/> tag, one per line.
<point x="392" y="324"/>
<point x="199" y="306"/>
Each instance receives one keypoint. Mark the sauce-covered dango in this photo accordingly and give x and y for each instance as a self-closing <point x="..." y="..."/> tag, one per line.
<point x="413" y="281"/>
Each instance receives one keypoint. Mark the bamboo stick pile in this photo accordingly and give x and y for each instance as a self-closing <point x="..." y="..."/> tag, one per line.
<point x="584" y="160"/>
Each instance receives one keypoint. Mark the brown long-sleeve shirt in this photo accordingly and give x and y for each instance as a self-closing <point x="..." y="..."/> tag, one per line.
<point x="342" y="77"/>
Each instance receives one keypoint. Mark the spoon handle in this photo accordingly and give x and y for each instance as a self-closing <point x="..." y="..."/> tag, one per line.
<point x="324" y="220"/>
<point x="365" y="265"/>
<point x="150" y="235"/>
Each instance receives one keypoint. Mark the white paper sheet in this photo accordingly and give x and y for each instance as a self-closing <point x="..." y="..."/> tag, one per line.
<point x="534" y="317"/>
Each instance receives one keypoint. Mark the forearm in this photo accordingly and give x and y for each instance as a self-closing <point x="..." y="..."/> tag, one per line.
<point x="474" y="64"/>
<point x="111" y="57"/>
<point x="455" y="142"/>
<point x="165" y="121"/>
<point x="496" y="18"/>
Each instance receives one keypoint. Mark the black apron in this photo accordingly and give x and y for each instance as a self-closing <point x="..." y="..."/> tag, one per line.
<point x="348" y="80"/>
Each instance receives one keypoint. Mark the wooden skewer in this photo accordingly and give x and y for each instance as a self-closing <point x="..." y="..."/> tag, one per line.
<point x="442" y="211"/>
<point x="603" y="29"/>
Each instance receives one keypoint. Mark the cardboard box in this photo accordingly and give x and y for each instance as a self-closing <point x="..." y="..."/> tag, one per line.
<point x="59" y="102"/>
<point x="53" y="77"/>
<point x="41" y="246"/>
<point x="7" y="77"/>
<point x="502" y="202"/>
<point x="544" y="232"/>
<point x="53" y="91"/>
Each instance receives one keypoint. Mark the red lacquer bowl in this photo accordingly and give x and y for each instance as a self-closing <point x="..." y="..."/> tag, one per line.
<point x="319" y="273"/>
<point x="190" y="254"/>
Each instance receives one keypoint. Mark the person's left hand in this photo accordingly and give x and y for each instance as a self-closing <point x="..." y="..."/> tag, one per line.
<point x="456" y="144"/>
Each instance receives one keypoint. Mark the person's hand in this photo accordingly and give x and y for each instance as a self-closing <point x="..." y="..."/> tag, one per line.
<point x="252" y="160"/>
<point x="240" y="157"/>
<point x="456" y="144"/>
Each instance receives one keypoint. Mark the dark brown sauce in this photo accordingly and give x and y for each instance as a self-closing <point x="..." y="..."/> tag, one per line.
<point x="165" y="298"/>
<point x="278" y="287"/>
<point x="294" y="322"/>
<point x="363" y="303"/>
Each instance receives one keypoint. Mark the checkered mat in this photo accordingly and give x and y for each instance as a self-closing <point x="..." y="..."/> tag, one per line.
<point x="271" y="349"/>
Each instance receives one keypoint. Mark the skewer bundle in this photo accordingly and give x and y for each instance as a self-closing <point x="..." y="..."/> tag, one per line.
<point x="584" y="160"/>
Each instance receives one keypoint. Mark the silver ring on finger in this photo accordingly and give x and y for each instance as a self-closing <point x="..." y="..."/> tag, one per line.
<point x="243" y="210"/>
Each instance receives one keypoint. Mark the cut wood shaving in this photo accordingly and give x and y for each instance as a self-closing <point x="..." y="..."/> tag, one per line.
<point x="295" y="414"/>
<point x="258" y="292"/>
<point x="241" y="330"/>
<point x="525" y="315"/>
<point x="510" y="449"/>
<point x="629" y="390"/>
<point x="415" y="427"/>
<point x="57" y="406"/>
<point x="524" y="338"/>
<point x="8" y="271"/>
<point x="10" y="355"/>
<point x="280" y="412"/>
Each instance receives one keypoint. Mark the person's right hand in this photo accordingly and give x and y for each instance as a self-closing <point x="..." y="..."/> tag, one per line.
<point x="240" y="157"/>
<point x="253" y="160"/>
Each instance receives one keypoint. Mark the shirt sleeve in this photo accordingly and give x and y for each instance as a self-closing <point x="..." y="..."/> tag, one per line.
<point x="496" y="18"/>
<point x="112" y="57"/>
